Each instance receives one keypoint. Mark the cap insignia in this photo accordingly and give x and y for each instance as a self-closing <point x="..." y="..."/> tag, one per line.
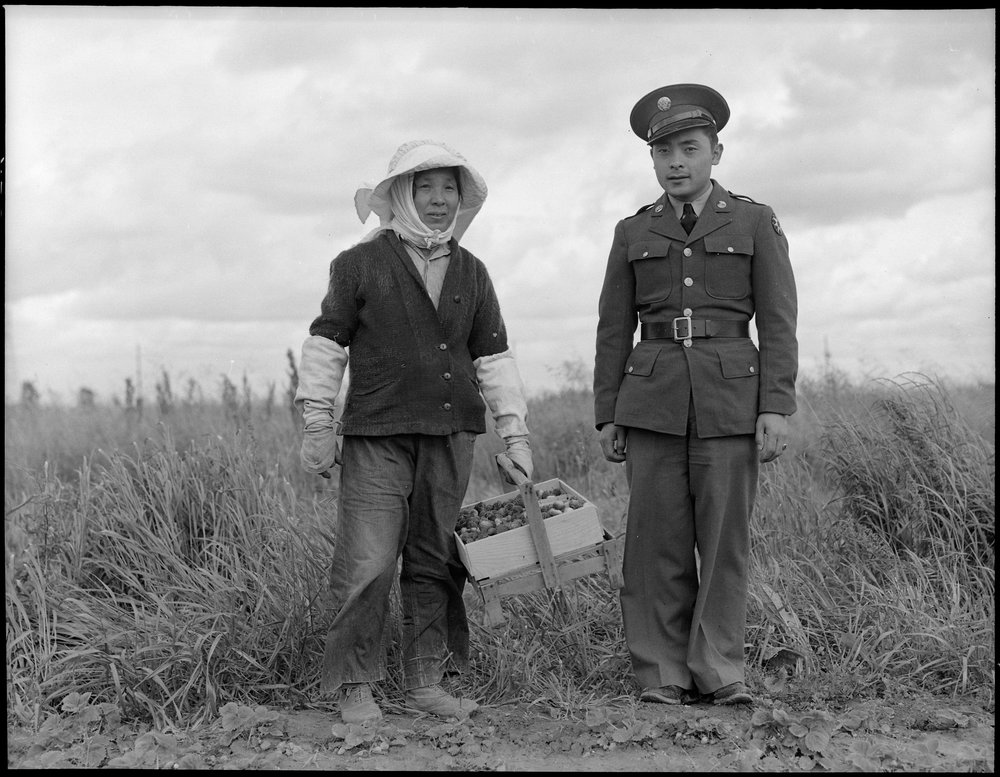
<point x="663" y="103"/>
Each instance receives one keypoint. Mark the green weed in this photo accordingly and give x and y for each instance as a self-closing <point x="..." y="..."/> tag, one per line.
<point x="170" y="563"/>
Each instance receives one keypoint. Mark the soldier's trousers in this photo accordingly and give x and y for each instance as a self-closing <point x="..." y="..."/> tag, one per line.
<point x="686" y="626"/>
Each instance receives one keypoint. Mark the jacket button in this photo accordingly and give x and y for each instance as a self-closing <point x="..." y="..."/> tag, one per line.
<point x="752" y="368"/>
<point x="446" y="405"/>
<point x="687" y="343"/>
<point x="688" y="311"/>
<point x="687" y="252"/>
<point x="631" y="368"/>
<point x="447" y="376"/>
<point x="457" y="298"/>
<point x="443" y="346"/>
<point x="689" y="282"/>
<point x="645" y="254"/>
<point x="730" y="249"/>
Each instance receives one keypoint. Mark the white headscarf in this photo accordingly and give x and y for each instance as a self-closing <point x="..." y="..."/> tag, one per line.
<point x="406" y="220"/>
<point x="392" y="198"/>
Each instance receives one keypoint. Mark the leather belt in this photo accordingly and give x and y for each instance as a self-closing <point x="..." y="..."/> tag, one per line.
<point x="685" y="327"/>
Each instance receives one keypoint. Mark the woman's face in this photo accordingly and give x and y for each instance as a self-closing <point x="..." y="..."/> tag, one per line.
<point x="436" y="197"/>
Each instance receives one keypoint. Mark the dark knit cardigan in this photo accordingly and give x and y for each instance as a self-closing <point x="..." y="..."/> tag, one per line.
<point x="410" y="365"/>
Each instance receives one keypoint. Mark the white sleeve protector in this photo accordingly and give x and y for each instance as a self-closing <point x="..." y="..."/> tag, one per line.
<point x="321" y="373"/>
<point x="501" y="387"/>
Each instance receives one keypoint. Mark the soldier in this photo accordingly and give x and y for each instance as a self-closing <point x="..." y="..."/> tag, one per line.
<point x="694" y="405"/>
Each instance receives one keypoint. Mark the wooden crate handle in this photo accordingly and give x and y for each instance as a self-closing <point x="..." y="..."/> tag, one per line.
<point x="536" y="525"/>
<point x="509" y="472"/>
<point x="612" y="552"/>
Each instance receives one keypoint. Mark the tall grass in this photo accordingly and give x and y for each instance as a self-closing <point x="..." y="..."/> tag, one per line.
<point x="912" y="469"/>
<point x="175" y="560"/>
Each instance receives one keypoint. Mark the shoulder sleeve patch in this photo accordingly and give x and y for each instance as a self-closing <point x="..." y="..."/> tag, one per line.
<point x="775" y="224"/>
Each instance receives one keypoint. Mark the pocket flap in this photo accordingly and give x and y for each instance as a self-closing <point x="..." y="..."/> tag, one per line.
<point x="648" y="249"/>
<point x="640" y="361"/>
<point x="729" y="244"/>
<point x="742" y="363"/>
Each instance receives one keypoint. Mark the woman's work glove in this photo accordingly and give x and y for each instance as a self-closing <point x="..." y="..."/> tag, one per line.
<point x="320" y="447"/>
<point x="321" y="373"/>
<point x="519" y="452"/>
<point x="501" y="387"/>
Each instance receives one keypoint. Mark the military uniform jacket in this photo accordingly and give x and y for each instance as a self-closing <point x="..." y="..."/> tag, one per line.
<point x="734" y="266"/>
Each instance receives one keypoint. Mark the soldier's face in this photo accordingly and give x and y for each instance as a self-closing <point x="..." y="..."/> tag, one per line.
<point x="436" y="197"/>
<point x="683" y="163"/>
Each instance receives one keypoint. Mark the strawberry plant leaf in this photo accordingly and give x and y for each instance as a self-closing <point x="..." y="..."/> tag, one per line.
<point x="75" y="702"/>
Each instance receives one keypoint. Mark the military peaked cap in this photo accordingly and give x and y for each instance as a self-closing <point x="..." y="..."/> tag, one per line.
<point x="678" y="107"/>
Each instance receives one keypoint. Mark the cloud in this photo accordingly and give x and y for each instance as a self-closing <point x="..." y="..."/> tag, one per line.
<point x="180" y="178"/>
<point x="890" y="294"/>
<point x="878" y="115"/>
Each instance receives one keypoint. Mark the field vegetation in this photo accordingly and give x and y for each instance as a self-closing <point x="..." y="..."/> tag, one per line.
<point x="169" y="561"/>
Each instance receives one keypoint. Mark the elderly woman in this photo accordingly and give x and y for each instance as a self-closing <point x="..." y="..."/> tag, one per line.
<point x="418" y="319"/>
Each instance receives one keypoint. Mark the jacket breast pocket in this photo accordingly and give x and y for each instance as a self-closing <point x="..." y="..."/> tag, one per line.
<point x="650" y="260"/>
<point x="728" y="265"/>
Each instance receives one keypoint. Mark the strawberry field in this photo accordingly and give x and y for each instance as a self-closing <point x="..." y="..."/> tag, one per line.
<point x="166" y="601"/>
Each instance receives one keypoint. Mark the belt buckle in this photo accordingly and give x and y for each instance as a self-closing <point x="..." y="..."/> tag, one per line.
<point x="678" y="334"/>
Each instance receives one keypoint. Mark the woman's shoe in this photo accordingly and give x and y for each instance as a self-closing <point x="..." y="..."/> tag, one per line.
<point x="357" y="704"/>
<point x="436" y="700"/>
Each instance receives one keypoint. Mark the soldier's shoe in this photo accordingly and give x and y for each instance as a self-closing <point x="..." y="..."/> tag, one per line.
<point x="357" y="704"/>
<point x="667" y="694"/>
<point x="734" y="693"/>
<point x="435" y="700"/>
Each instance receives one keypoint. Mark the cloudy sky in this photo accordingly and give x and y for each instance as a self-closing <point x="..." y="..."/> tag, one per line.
<point x="178" y="179"/>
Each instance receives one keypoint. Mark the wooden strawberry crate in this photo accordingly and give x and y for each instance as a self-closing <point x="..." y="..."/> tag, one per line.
<point x="506" y="553"/>
<point x="545" y="553"/>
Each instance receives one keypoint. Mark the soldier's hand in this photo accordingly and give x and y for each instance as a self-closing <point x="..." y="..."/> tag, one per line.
<point x="772" y="436"/>
<point x="613" y="439"/>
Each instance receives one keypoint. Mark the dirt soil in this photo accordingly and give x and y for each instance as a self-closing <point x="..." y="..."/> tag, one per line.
<point x="924" y="735"/>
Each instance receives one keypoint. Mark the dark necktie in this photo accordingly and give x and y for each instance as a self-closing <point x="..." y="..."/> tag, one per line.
<point x="688" y="218"/>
